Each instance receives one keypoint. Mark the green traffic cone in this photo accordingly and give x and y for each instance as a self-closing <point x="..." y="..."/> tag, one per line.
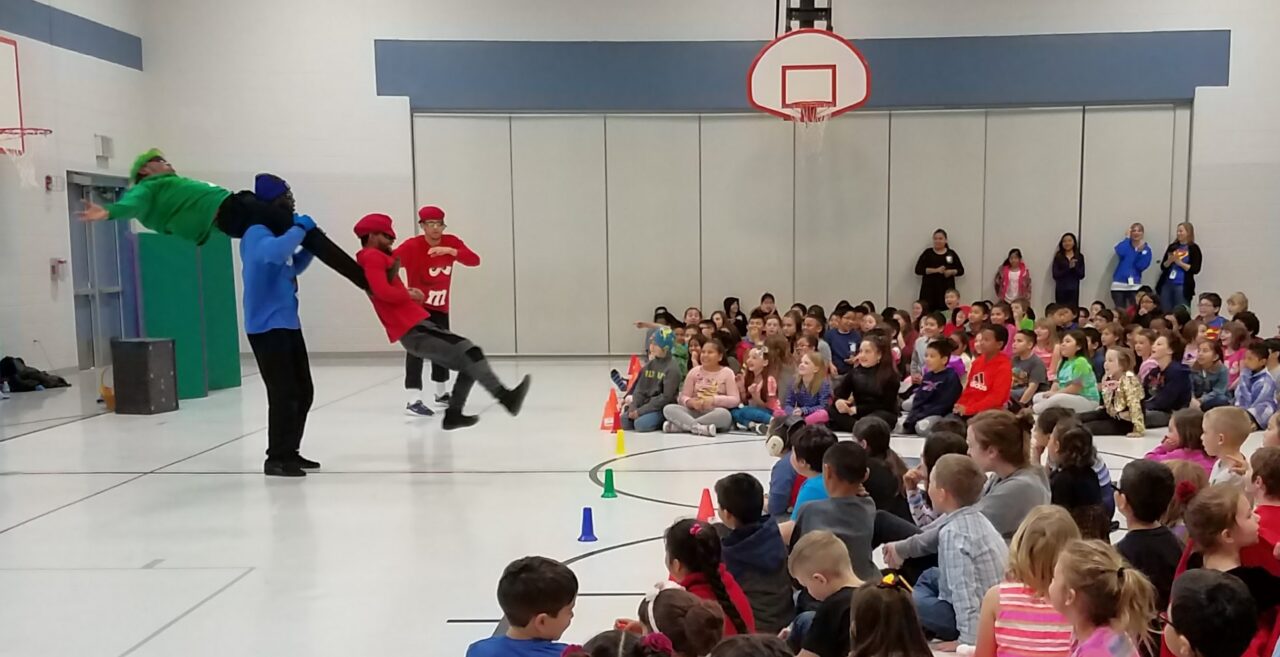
<point x="609" y="491"/>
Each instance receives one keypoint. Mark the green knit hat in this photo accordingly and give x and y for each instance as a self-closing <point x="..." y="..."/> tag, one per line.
<point x="142" y="162"/>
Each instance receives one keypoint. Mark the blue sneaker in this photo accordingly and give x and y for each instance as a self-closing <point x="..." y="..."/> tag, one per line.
<point x="418" y="409"/>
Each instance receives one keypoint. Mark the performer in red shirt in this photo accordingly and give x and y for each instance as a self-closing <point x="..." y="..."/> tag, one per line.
<point x="428" y="260"/>
<point x="402" y="315"/>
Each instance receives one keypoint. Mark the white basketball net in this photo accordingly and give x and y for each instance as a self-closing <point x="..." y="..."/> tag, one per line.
<point x="17" y="145"/>
<point x="811" y="126"/>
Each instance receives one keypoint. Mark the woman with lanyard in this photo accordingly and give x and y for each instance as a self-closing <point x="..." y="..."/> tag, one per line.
<point x="1178" y="269"/>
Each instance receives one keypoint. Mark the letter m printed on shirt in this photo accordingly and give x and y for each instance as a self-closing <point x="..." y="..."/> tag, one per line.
<point x="437" y="298"/>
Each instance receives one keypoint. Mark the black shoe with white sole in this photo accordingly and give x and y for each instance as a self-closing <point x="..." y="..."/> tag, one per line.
<point x="282" y="469"/>
<point x="418" y="409"/>
<point x="457" y="420"/>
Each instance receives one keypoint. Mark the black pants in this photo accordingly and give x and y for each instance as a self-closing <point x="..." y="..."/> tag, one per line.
<point x="242" y="210"/>
<point x="413" y="364"/>
<point x="430" y="342"/>
<point x="282" y="360"/>
<point x="841" y="422"/>
<point x="1100" y="424"/>
<point x="1067" y="296"/>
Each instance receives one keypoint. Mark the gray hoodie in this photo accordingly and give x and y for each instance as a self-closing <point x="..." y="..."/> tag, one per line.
<point x="1005" y="502"/>
<point x="657" y="385"/>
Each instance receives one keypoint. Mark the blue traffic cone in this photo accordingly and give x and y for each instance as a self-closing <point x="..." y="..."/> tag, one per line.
<point x="588" y="527"/>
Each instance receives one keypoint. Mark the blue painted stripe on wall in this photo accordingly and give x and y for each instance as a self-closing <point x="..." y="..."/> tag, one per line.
<point x="710" y="76"/>
<point x="62" y="29"/>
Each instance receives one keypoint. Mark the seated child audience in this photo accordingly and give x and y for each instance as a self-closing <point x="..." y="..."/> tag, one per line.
<point x="1024" y="317"/>
<point x="709" y="392"/>
<point x="848" y="512"/>
<point x="808" y="448"/>
<point x="990" y="375"/>
<point x="1210" y="304"/>
<point x="1184" y="440"/>
<point x="754" y="552"/>
<point x="935" y="446"/>
<point x="813" y="327"/>
<point x="1211" y="614"/>
<point x="693" y="626"/>
<point x="811" y="392"/>
<point x="1073" y="484"/>
<point x="1075" y="386"/>
<point x="536" y="596"/>
<point x="1122" y="394"/>
<point x="752" y="645"/>
<point x="971" y="554"/>
<point x="820" y="563"/>
<point x="883" y="621"/>
<point x="930" y="331"/>
<point x="1168" y="384"/>
<point x="1143" y="341"/>
<point x="1097" y="355"/>
<point x="758" y="389"/>
<point x="1109" y="604"/>
<point x="1256" y="390"/>
<point x="959" y="320"/>
<point x="1188" y="479"/>
<point x="784" y="481"/>
<point x="1220" y="524"/>
<point x="1264" y="471"/>
<point x="1143" y="496"/>
<point x="885" y="469"/>
<point x="938" y="389"/>
<point x="1017" y="618"/>
<point x="1029" y="374"/>
<point x="1046" y="348"/>
<point x="844" y="338"/>
<point x="1002" y="315"/>
<point x="961" y="358"/>
<point x="624" y="643"/>
<point x="1209" y="377"/>
<point x="694" y="561"/>
<point x="870" y="389"/>
<point x="1225" y="430"/>
<point x="657" y="385"/>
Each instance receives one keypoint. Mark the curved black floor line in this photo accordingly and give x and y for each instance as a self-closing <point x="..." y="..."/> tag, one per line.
<point x="594" y="474"/>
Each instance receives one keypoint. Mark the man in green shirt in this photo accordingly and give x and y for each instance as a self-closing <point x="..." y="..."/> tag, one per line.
<point x="191" y="209"/>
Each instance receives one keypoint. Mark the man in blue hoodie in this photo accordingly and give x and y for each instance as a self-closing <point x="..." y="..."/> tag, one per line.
<point x="271" y="266"/>
<point x="1135" y="257"/>
<point x="754" y="553"/>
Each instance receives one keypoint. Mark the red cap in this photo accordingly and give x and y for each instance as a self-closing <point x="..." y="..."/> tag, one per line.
<point x="430" y="213"/>
<point x="374" y="223"/>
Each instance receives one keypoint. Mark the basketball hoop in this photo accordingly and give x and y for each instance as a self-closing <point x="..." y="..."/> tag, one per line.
<point x="13" y="142"/>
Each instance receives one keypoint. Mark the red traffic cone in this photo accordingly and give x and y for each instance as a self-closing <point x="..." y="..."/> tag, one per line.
<point x="706" y="510"/>
<point x="609" y="419"/>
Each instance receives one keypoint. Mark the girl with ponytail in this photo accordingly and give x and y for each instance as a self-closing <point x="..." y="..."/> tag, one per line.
<point x="693" y="560"/>
<point x="622" y="643"/>
<point x="1109" y="604"/>
<point x="681" y="623"/>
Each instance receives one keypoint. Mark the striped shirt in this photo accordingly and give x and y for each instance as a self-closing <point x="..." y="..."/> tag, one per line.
<point x="1028" y="626"/>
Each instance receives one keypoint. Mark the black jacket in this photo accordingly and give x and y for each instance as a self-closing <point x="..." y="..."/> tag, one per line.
<point x="1189" y="286"/>
<point x="757" y="558"/>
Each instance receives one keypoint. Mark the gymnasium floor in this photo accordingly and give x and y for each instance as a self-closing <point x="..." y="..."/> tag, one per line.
<point x="159" y="536"/>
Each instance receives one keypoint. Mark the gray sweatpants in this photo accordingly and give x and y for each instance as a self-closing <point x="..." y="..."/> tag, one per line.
<point x="438" y="345"/>
<point x="684" y="418"/>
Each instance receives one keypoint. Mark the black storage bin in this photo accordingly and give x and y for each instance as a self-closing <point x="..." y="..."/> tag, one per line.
<point x="146" y="376"/>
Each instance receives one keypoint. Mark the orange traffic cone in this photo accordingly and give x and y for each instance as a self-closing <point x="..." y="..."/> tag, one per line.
<point x="633" y="372"/>
<point x="609" y="418"/>
<point x="706" y="510"/>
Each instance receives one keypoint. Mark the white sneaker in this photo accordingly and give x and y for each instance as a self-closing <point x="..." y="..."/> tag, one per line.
<point x="704" y="430"/>
<point x="667" y="427"/>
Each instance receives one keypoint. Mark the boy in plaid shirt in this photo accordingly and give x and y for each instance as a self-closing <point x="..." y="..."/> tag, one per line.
<point x="971" y="554"/>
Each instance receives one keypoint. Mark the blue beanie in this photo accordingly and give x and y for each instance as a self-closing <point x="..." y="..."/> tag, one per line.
<point x="664" y="338"/>
<point x="268" y="187"/>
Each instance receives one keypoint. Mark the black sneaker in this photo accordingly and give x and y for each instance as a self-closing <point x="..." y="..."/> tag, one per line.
<point x="282" y="469"/>
<point x="513" y="399"/>
<point x="306" y="463"/>
<point x="443" y="399"/>
<point x="616" y="377"/>
<point x="418" y="409"/>
<point x="457" y="420"/>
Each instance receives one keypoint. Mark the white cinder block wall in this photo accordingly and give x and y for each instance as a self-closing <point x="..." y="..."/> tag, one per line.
<point x="239" y="86"/>
<point x="77" y="96"/>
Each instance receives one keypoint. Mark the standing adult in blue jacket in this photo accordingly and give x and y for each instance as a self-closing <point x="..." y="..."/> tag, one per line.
<point x="271" y="265"/>
<point x="1135" y="257"/>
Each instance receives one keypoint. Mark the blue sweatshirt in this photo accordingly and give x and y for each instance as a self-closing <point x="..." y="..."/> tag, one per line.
<point x="843" y="345"/>
<point x="936" y="395"/>
<point x="800" y="397"/>
<point x="1132" y="263"/>
<point x="1169" y="389"/>
<point x="271" y="268"/>
<point x="1210" y="386"/>
<point x="1256" y="393"/>
<point x="781" y="480"/>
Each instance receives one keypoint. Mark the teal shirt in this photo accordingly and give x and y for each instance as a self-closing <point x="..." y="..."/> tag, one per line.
<point x="811" y="490"/>
<point x="1079" y="369"/>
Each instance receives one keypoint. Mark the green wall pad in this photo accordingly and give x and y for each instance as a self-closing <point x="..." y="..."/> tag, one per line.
<point x="169" y="271"/>
<point x="221" y="326"/>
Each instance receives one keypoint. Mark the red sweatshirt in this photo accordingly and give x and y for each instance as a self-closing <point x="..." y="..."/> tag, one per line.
<point x="434" y="274"/>
<point x="397" y="311"/>
<point x="990" y="380"/>
<point x="697" y="584"/>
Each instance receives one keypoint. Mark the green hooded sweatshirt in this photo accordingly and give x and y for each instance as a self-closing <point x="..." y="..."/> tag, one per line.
<point x="170" y="204"/>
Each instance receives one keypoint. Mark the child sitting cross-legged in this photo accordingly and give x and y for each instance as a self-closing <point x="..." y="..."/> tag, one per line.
<point x="754" y="552"/>
<point x="1184" y="440"/>
<point x="709" y="392"/>
<point x="937" y="392"/>
<point x="820" y="562"/>
<point x="884" y="621"/>
<point x="656" y="386"/>
<point x="536" y="595"/>
<point x="1211" y="614"/>
<point x="758" y="389"/>
<point x="848" y="512"/>
<point x="1017" y="617"/>
<point x="1122" y="395"/>
<point x="811" y="392"/>
<point x="1109" y="604"/>
<point x="1209" y="377"/>
<point x="971" y="554"/>
<point x="1144" y="494"/>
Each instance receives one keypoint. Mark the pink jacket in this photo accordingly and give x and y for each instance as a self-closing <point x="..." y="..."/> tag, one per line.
<point x="1002" y="282"/>
<point x="721" y="387"/>
<point x="1162" y="453"/>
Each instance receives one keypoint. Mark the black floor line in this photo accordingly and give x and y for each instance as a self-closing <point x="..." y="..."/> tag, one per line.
<point x="594" y="474"/>
<point x="80" y="418"/>
<point x="190" y="610"/>
<point x="367" y="472"/>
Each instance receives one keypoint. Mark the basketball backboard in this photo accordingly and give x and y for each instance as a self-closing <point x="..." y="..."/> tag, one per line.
<point x="10" y="90"/>
<point x="808" y="75"/>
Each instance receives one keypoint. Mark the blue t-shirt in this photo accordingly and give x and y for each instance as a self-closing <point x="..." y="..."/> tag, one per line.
<point x="501" y="646"/>
<point x="1177" y="275"/>
<point x="843" y="345"/>
<point x="271" y="266"/>
<point x="811" y="490"/>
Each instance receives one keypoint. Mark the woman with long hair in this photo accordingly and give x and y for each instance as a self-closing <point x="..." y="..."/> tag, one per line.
<point x="1068" y="271"/>
<point x="1178" y="268"/>
<point x="938" y="267"/>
